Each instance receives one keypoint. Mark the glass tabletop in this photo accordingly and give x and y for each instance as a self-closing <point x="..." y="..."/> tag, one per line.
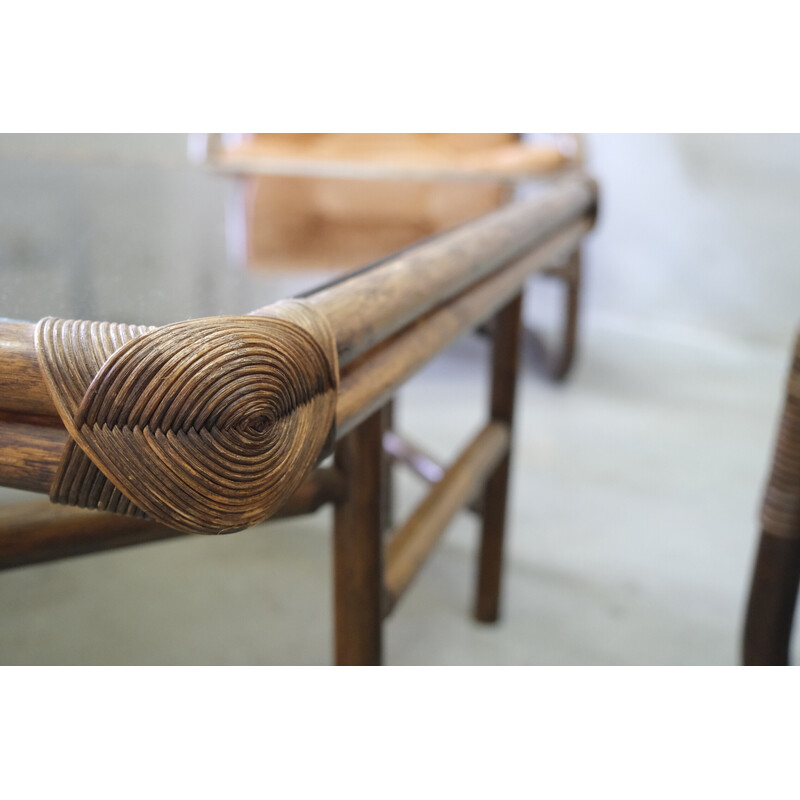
<point x="132" y="233"/>
<point x="127" y="228"/>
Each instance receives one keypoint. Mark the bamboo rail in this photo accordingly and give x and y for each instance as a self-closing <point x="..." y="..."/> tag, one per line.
<point x="367" y="308"/>
<point x="30" y="450"/>
<point x="371" y="380"/>
<point x="39" y="531"/>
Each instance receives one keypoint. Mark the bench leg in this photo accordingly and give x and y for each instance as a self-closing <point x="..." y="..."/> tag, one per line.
<point x="358" y="546"/>
<point x="505" y="351"/>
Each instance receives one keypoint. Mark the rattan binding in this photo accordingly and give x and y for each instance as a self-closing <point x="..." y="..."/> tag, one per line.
<point x="207" y="425"/>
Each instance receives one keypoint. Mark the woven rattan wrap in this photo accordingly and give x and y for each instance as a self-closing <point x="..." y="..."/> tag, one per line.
<point x="780" y="514"/>
<point x="207" y="425"/>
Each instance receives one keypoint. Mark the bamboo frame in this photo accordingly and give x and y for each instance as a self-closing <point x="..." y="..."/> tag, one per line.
<point x="384" y="323"/>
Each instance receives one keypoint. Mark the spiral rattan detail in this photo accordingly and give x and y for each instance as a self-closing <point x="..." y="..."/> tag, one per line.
<point x="207" y="425"/>
<point x="780" y="514"/>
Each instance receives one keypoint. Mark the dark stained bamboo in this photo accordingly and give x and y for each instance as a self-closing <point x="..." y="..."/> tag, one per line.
<point x="358" y="547"/>
<point x="206" y="425"/>
<point x="39" y="531"/>
<point x="505" y="353"/>
<point x="410" y="546"/>
<point x="367" y="308"/>
<point x="22" y="387"/>
<point x="30" y="451"/>
<point x="376" y="376"/>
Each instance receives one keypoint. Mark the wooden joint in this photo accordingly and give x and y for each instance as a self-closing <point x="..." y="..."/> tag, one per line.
<point x="207" y="425"/>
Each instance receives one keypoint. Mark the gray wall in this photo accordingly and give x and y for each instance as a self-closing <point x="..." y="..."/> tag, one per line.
<point x="120" y="227"/>
<point x="698" y="235"/>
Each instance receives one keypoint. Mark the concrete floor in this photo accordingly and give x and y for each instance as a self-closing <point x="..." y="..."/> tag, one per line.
<point x="635" y="498"/>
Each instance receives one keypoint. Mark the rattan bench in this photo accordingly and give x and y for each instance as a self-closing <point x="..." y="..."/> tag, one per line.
<point x="213" y="425"/>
